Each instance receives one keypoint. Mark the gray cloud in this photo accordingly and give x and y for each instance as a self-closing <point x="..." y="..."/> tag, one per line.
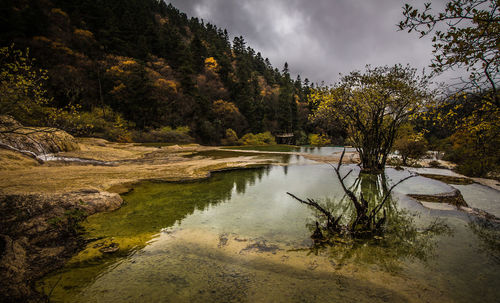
<point x="318" y="38"/>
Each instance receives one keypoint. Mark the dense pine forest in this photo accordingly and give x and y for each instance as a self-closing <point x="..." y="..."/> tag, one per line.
<point x="141" y="70"/>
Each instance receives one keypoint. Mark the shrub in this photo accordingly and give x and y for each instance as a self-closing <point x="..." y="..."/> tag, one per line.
<point x="301" y="138"/>
<point x="475" y="150"/>
<point x="410" y="144"/>
<point x="411" y="148"/>
<point x="231" y="137"/>
<point x="165" y="135"/>
<point x="319" y="140"/>
<point x="100" y="122"/>
<point x="22" y="91"/>
<point x="258" y="139"/>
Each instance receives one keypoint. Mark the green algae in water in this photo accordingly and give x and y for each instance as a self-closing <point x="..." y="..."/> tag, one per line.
<point x="238" y="237"/>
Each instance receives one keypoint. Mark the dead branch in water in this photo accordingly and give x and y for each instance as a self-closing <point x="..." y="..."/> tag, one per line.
<point x="332" y="223"/>
<point x="365" y="220"/>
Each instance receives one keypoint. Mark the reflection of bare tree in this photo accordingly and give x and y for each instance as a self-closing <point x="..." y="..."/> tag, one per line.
<point x="367" y="226"/>
<point x="488" y="233"/>
<point x="370" y="211"/>
<point x="402" y="239"/>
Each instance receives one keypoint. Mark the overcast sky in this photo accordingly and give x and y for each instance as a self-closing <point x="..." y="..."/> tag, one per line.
<point x="319" y="38"/>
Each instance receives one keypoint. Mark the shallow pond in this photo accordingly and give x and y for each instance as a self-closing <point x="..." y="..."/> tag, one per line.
<point x="237" y="237"/>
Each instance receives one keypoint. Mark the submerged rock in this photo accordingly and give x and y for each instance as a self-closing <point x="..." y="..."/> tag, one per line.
<point x="454" y="198"/>
<point x="223" y="239"/>
<point x="111" y="248"/>
<point x="261" y="247"/>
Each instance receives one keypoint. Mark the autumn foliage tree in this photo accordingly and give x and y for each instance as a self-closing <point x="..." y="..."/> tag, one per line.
<point x="410" y="144"/>
<point x="228" y="116"/>
<point x="466" y="36"/>
<point x="372" y="105"/>
<point x="22" y="91"/>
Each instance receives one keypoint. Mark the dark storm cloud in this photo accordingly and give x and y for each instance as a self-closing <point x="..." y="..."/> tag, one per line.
<point x="318" y="38"/>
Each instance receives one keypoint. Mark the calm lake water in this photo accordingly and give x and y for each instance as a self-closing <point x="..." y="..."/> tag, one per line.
<point x="237" y="237"/>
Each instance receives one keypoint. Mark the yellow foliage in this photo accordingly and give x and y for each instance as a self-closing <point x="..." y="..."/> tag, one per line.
<point x="231" y="137"/>
<point x="258" y="139"/>
<point x="167" y="83"/>
<point x="222" y="108"/>
<point x="42" y="39"/>
<point x="211" y="64"/>
<point x="118" y="88"/>
<point x="59" y="11"/>
<point x="83" y="33"/>
<point x="62" y="47"/>
<point x="54" y="44"/>
<point x="128" y="62"/>
<point x="22" y="93"/>
<point x="115" y="70"/>
<point x="124" y="66"/>
<point x="319" y="140"/>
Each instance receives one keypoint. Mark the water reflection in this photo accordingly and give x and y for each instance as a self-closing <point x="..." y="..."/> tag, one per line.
<point x="401" y="238"/>
<point x="150" y="210"/>
<point x="181" y="241"/>
<point x="488" y="231"/>
<point x="154" y="206"/>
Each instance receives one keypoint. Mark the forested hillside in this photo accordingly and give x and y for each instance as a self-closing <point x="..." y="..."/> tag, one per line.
<point x="132" y="69"/>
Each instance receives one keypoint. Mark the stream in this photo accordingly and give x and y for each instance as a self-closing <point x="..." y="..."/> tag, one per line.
<point x="237" y="237"/>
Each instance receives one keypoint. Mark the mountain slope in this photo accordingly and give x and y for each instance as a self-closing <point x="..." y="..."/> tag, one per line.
<point x="148" y="63"/>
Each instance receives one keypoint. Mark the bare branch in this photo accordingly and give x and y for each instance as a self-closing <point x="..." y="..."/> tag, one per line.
<point x="347" y="175"/>
<point x="378" y="207"/>
<point x="312" y="203"/>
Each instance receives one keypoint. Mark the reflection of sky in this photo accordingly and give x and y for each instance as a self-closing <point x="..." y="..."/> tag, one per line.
<point x="264" y="209"/>
<point x="437" y="171"/>
<point x="416" y="185"/>
<point x="482" y="197"/>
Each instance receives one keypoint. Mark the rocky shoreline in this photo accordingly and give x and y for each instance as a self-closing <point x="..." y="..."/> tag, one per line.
<point x="39" y="233"/>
